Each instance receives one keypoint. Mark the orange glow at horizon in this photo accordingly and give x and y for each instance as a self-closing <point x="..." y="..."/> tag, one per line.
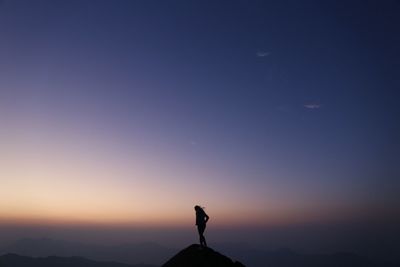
<point x="54" y="182"/>
<point x="67" y="178"/>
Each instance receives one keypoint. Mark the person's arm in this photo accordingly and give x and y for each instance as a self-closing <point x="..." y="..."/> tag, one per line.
<point x="207" y="217"/>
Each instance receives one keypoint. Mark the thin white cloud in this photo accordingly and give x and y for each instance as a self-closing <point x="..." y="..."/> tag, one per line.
<point x="263" y="54"/>
<point x="312" y="106"/>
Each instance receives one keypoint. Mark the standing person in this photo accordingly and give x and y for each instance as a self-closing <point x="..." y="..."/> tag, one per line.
<point x="201" y="220"/>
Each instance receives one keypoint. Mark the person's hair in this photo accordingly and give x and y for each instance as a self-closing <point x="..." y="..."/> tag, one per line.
<point x="197" y="207"/>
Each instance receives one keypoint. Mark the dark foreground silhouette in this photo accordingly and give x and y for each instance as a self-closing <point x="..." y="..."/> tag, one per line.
<point x="199" y="256"/>
<point x="201" y="222"/>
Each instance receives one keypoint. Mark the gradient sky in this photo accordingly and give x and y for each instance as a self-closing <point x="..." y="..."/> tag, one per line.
<point x="132" y="112"/>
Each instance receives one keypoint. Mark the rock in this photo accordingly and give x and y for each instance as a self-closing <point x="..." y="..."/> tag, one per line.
<point x="197" y="256"/>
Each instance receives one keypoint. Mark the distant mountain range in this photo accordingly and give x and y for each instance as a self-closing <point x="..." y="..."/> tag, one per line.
<point x="14" y="260"/>
<point x="149" y="253"/>
<point x="140" y="254"/>
<point x="285" y="257"/>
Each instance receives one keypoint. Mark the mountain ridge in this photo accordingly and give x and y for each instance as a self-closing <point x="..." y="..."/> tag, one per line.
<point x="15" y="260"/>
<point x="157" y="255"/>
<point x="199" y="256"/>
<point x="130" y="253"/>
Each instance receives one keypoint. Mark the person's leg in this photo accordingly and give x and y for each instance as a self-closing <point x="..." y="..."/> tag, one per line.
<point x="201" y="229"/>
<point x="204" y="242"/>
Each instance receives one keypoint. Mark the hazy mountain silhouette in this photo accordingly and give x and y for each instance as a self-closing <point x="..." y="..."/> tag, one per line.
<point x="286" y="257"/>
<point x="149" y="253"/>
<point x="152" y="253"/>
<point x="198" y="256"/>
<point x="14" y="260"/>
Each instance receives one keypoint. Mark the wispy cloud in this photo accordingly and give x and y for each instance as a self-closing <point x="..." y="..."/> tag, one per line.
<point x="263" y="54"/>
<point x="312" y="106"/>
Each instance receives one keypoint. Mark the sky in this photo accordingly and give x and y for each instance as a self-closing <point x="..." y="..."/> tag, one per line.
<point x="270" y="114"/>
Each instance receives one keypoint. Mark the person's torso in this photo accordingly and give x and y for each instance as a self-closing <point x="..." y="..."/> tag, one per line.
<point x="200" y="217"/>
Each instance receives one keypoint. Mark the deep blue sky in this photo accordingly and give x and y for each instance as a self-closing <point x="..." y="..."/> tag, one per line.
<point x="268" y="112"/>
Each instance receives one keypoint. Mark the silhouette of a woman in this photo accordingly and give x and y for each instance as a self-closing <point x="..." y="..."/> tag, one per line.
<point x="201" y="220"/>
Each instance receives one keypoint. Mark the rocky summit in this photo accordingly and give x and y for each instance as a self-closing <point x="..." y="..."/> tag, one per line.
<point x="197" y="256"/>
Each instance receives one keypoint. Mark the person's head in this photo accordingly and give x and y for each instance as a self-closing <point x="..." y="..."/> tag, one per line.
<point x="197" y="208"/>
